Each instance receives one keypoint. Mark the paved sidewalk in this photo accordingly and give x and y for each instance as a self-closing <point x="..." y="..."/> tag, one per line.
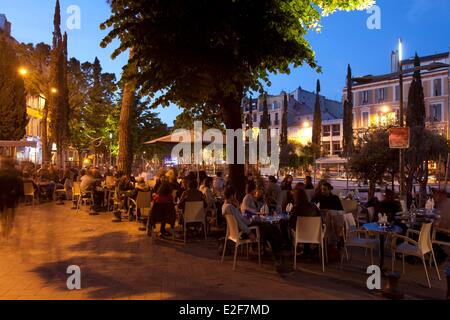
<point x="119" y="262"/>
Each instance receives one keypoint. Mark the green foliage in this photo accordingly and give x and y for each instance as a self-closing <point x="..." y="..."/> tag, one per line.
<point x="210" y="116"/>
<point x="265" y="120"/>
<point x="13" y="112"/>
<point x="372" y="157"/>
<point x="195" y="51"/>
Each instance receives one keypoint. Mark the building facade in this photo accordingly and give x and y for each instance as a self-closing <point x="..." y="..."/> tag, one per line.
<point x="300" y="114"/>
<point x="378" y="103"/>
<point x="35" y="105"/>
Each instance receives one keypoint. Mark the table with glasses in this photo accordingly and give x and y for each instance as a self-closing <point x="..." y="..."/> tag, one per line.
<point x="382" y="230"/>
<point x="420" y="216"/>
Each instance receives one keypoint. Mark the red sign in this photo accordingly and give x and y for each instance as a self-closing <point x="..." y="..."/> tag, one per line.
<point x="399" y="138"/>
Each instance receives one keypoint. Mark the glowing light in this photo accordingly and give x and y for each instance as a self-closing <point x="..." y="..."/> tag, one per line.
<point x="23" y="72"/>
<point x="53" y="90"/>
<point x="306" y="124"/>
<point x="400" y="50"/>
<point x="385" y="109"/>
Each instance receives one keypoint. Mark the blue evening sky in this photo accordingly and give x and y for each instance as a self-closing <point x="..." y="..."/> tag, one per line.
<point x="424" y="26"/>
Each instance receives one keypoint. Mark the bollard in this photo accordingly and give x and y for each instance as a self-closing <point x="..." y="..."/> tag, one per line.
<point x="391" y="290"/>
<point x="447" y="272"/>
<point x="117" y="216"/>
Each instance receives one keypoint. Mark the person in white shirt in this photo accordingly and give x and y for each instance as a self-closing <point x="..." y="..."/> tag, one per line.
<point x="219" y="185"/>
<point x="248" y="205"/>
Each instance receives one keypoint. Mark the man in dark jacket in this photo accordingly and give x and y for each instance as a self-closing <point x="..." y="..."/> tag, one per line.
<point x="11" y="188"/>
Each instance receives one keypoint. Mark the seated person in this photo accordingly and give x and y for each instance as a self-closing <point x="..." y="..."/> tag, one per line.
<point x="390" y="206"/>
<point x="248" y="206"/>
<point x="308" y="183"/>
<point x="268" y="232"/>
<point x="327" y="200"/>
<point x="192" y="194"/>
<point x="89" y="184"/>
<point x="302" y="208"/>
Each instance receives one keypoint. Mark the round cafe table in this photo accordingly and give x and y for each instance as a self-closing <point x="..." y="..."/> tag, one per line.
<point x="382" y="231"/>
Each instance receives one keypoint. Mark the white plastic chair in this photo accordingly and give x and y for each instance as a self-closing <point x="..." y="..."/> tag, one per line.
<point x="310" y="230"/>
<point x="28" y="190"/>
<point x="194" y="212"/>
<point x="403" y="204"/>
<point x="438" y="242"/>
<point x="235" y="235"/>
<point x="419" y="248"/>
<point x="76" y="191"/>
<point x="353" y="237"/>
<point x="143" y="201"/>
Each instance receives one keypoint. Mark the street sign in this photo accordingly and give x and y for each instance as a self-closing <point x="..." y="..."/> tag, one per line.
<point x="399" y="138"/>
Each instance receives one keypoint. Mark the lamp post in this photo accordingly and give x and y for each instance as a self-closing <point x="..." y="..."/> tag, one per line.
<point x="110" y="149"/>
<point x="402" y="122"/>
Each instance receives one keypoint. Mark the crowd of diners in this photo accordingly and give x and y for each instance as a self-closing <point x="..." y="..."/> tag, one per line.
<point x="172" y="189"/>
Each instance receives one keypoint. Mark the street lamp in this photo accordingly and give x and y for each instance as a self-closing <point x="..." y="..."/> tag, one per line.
<point x="402" y="122"/>
<point x="23" y="71"/>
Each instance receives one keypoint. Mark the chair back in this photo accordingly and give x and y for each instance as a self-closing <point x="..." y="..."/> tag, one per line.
<point x="110" y="182"/>
<point x="404" y="207"/>
<point x="232" y="228"/>
<point x="349" y="222"/>
<point x="350" y="205"/>
<point x="371" y="213"/>
<point x="143" y="199"/>
<point x="310" y="193"/>
<point x="76" y="190"/>
<point x="194" y="211"/>
<point x="424" y="241"/>
<point x="282" y="198"/>
<point x="28" y="189"/>
<point x="309" y="230"/>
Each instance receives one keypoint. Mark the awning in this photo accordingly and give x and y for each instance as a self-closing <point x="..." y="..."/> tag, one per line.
<point x="333" y="160"/>
<point x="176" y="140"/>
<point x="17" y="144"/>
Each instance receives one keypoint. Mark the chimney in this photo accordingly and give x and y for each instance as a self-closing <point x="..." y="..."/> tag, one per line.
<point x="394" y="61"/>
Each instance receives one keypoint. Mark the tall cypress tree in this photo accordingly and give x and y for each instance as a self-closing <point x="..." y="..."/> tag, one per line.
<point x="58" y="110"/>
<point x="348" y="115"/>
<point x="265" y="121"/>
<point x="13" y="111"/>
<point x="284" y="123"/>
<point x="415" y="114"/>
<point x="249" y="117"/>
<point x="317" y="125"/>
<point x="417" y="159"/>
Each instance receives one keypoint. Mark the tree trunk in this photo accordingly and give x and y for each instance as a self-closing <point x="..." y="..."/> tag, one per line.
<point x="124" y="159"/>
<point x="44" y="135"/>
<point x="231" y="111"/>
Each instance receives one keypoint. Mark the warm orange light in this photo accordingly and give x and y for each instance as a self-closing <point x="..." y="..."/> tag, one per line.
<point x="54" y="90"/>
<point x="385" y="109"/>
<point x="306" y="124"/>
<point x="23" y="72"/>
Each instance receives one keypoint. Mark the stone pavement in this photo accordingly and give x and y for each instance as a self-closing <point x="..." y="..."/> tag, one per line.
<point x="119" y="262"/>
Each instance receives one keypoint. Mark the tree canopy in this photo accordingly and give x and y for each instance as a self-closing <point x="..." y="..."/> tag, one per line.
<point x="190" y="52"/>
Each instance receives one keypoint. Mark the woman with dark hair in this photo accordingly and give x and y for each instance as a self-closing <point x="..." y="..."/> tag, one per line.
<point x="308" y="183"/>
<point x="302" y="208"/>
